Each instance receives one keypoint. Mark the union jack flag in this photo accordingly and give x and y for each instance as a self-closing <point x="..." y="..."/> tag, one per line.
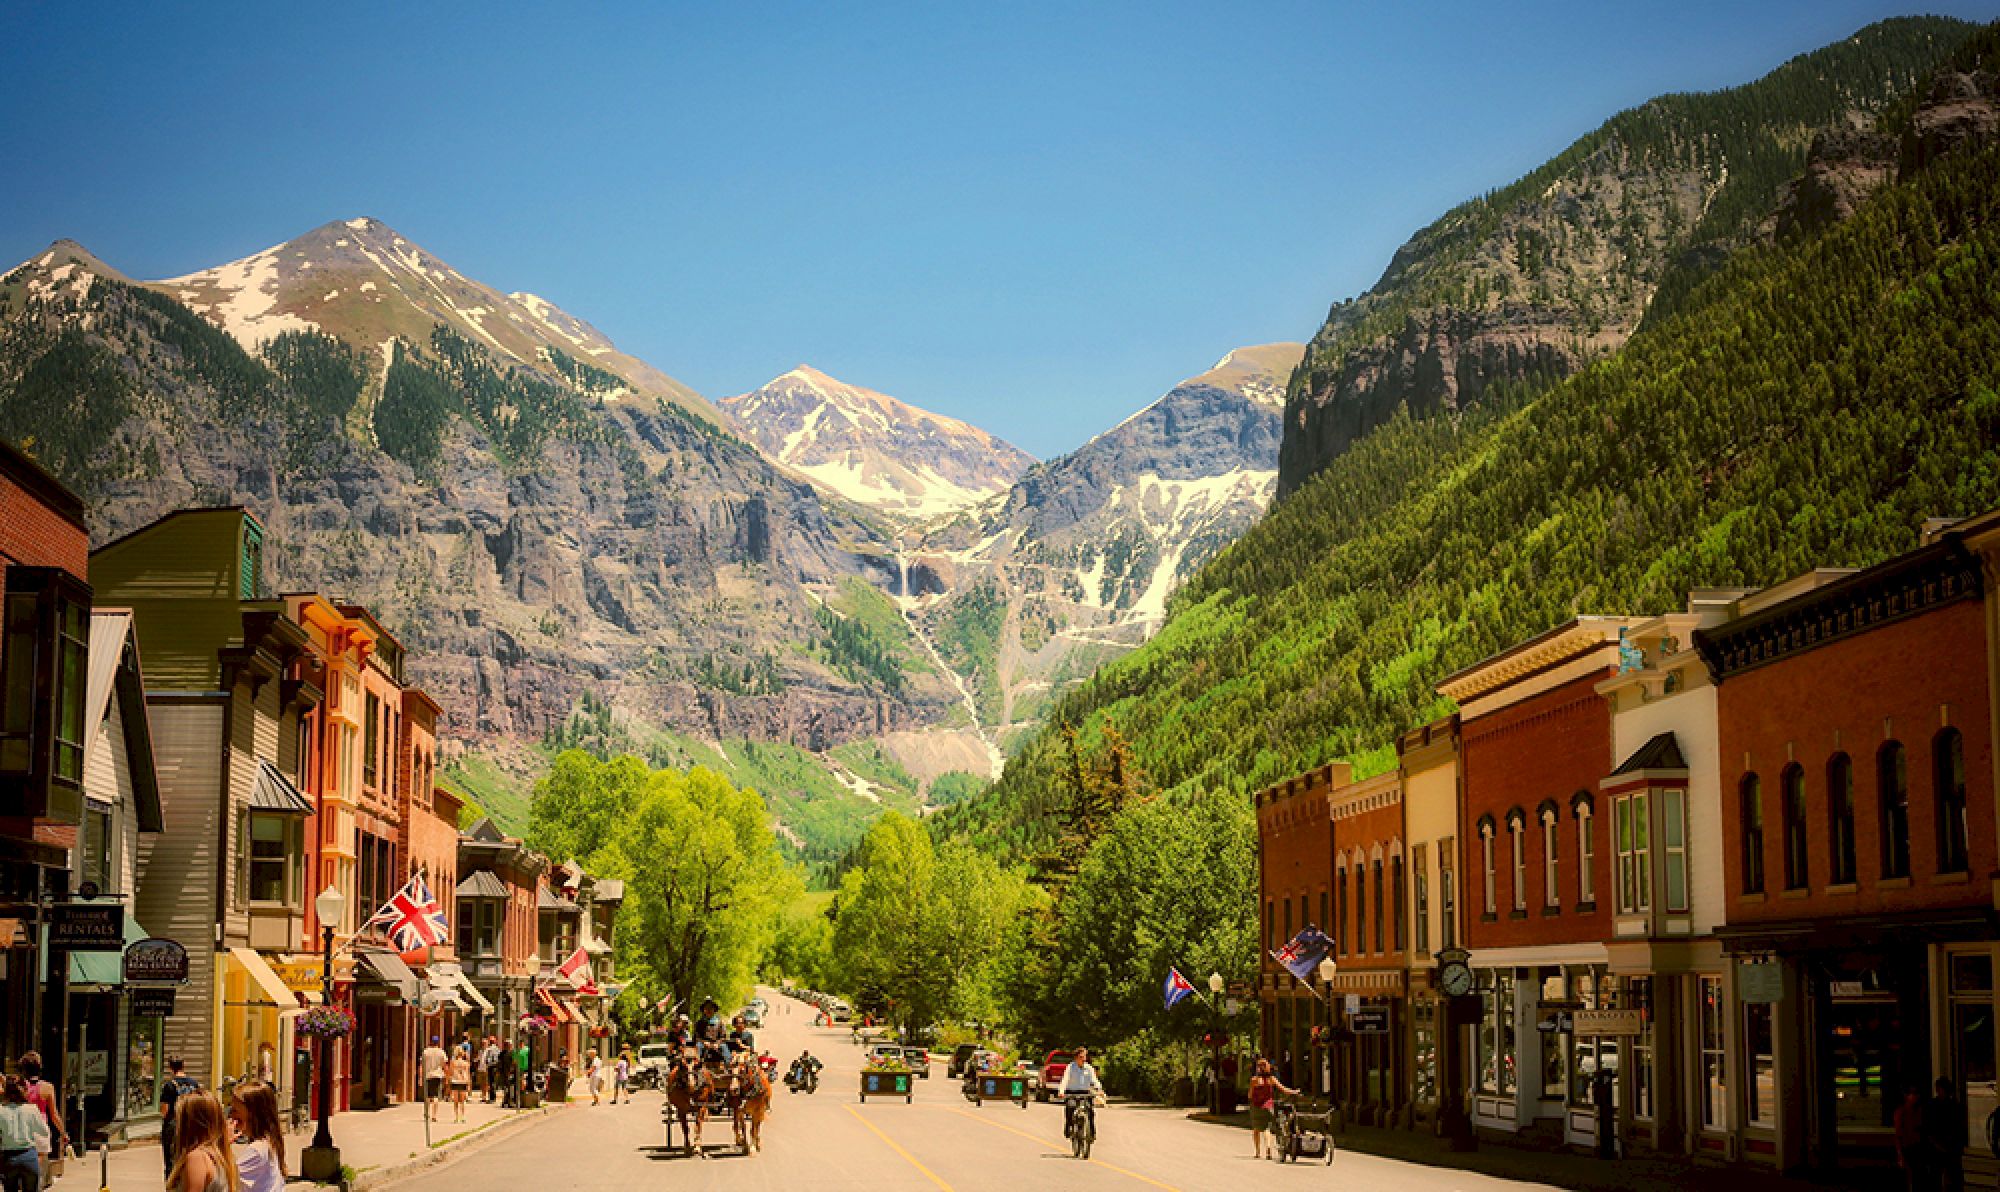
<point x="412" y="918"/>
<point x="1303" y="954"/>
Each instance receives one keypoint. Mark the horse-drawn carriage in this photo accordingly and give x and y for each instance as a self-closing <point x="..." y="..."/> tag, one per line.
<point x="739" y="1091"/>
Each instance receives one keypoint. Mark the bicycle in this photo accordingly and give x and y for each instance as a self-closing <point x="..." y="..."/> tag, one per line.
<point x="1081" y="1126"/>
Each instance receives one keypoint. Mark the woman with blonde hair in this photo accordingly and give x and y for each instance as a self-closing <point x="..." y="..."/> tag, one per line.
<point x="207" y="1161"/>
<point x="260" y="1137"/>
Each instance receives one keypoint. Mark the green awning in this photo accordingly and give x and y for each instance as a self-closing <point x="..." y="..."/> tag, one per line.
<point x="102" y="968"/>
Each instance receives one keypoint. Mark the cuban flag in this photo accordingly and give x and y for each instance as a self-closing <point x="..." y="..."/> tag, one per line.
<point x="1178" y="988"/>
<point x="413" y="919"/>
<point x="1303" y="954"/>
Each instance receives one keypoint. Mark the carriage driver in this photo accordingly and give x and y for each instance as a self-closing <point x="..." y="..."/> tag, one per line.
<point x="708" y="1034"/>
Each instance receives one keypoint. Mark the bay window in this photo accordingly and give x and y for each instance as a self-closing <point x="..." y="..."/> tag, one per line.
<point x="44" y="647"/>
<point x="1631" y="828"/>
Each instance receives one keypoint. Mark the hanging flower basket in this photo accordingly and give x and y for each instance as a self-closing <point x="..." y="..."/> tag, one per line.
<point x="600" y="1032"/>
<point x="534" y="1024"/>
<point x="325" y="1022"/>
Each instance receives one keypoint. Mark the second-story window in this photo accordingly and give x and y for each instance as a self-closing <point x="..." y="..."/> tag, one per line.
<point x="1586" y="849"/>
<point x="1750" y="813"/>
<point x="1892" y="788"/>
<point x="1343" y="941"/>
<point x="1792" y="803"/>
<point x="1551" y="852"/>
<point x="1361" y="906"/>
<point x="1396" y="885"/>
<point x="1516" y="828"/>
<point x="1673" y="843"/>
<point x="1447" y="904"/>
<point x="1486" y="864"/>
<point x="1420" y="894"/>
<point x="1380" y="941"/>
<point x="1840" y="820"/>
<point x="1631" y="828"/>
<point x="371" y="748"/>
<point x="1948" y="771"/>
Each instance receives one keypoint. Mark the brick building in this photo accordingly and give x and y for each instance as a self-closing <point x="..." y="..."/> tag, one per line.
<point x="1368" y="992"/>
<point x="1295" y="876"/>
<point x="1535" y="739"/>
<point x="1857" y="767"/>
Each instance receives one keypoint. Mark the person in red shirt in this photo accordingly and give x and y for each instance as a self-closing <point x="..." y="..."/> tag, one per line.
<point x="1264" y="1089"/>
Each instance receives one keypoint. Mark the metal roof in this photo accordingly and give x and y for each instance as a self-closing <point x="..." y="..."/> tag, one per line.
<point x="272" y="791"/>
<point x="1661" y="753"/>
<point x="481" y="883"/>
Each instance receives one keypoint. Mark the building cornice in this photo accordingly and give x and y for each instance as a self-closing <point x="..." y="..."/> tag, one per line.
<point x="1564" y="643"/>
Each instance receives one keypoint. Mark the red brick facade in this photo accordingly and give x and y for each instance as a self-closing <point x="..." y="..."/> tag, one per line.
<point x="1520" y="764"/>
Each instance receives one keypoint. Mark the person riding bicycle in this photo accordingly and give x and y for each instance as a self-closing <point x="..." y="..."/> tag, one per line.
<point x="1078" y="1077"/>
<point x="709" y="1037"/>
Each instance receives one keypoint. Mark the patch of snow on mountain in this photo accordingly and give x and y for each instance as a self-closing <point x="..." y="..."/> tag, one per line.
<point x="241" y="298"/>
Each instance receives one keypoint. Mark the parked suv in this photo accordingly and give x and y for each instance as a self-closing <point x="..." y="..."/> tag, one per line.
<point x="1052" y="1073"/>
<point x="955" y="1067"/>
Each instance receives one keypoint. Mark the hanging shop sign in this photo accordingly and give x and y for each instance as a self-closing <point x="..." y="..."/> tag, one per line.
<point x="301" y="974"/>
<point x="1369" y="1020"/>
<point x="152" y="1003"/>
<point x="1609" y="1022"/>
<point x="87" y="927"/>
<point x="1760" y="984"/>
<point x="156" y="961"/>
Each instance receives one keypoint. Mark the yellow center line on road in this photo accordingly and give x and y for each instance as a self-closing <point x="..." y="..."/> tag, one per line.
<point x="1144" y="1179"/>
<point x="897" y="1147"/>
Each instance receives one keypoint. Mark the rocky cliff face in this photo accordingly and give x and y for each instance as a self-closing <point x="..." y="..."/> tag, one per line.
<point x="1529" y="283"/>
<point x="1030" y="591"/>
<point x="628" y="547"/>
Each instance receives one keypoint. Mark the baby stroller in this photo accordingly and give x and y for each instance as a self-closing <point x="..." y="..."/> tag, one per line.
<point x="1292" y="1139"/>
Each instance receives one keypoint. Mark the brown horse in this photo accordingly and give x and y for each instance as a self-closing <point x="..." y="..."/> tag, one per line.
<point x="752" y="1102"/>
<point x="688" y="1092"/>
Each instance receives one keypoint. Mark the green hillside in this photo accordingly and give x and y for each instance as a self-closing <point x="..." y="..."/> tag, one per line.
<point x="1809" y="403"/>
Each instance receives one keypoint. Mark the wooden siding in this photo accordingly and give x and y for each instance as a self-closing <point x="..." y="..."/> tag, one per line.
<point x="180" y="577"/>
<point x="177" y="893"/>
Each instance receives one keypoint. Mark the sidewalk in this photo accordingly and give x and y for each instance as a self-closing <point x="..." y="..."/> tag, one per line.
<point x="1563" y="1168"/>
<point x="376" y="1145"/>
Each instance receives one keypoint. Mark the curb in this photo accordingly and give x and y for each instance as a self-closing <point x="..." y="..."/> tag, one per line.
<point x="449" y="1152"/>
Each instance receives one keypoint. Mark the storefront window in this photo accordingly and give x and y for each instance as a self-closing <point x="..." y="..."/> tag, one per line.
<point x="1639" y="996"/>
<point x="1556" y="1045"/>
<point x="1496" y="1035"/>
<point x="143" y="1067"/>
<point x="1867" y="1066"/>
<point x="1761" y="1072"/>
<point x="1972" y="1018"/>
<point x="1714" y="1062"/>
<point x="1424" y="1045"/>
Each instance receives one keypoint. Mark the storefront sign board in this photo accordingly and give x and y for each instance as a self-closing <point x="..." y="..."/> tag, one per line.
<point x="87" y="927"/>
<point x="1369" y="1020"/>
<point x="302" y="974"/>
<point x="156" y="961"/>
<point x="1760" y="984"/>
<point x="1609" y="1022"/>
<point x="152" y="1003"/>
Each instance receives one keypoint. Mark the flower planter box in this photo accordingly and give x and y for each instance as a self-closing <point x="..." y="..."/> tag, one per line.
<point x="880" y="1082"/>
<point x="1000" y="1086"/>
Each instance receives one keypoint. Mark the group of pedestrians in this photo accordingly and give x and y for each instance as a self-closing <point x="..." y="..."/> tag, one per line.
<point x="32" y="1138"/>
<point x="1930" y="1140"/>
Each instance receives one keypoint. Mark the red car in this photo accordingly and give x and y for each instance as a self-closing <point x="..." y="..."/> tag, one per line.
<point x="1052" y="1074"/>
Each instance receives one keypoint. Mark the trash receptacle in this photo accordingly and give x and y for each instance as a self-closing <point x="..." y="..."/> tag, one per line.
<point x="557" y="1088"/>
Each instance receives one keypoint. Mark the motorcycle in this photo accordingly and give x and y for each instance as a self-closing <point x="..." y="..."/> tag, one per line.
<point x="802" y="1079"/>
<point x="769" y="1063"/>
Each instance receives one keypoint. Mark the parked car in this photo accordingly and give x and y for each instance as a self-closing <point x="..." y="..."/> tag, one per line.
<point x="841" y="1012"/>
<point x="955" y="1066"/>
<point x="650" y="1070"/>
<point x="1027" y="1069"/>
<point x="919" y="1060"/>
<point x="884" y="1051"/>
<point x="1052" y="1073"/>
<point x="752" y="1016"/>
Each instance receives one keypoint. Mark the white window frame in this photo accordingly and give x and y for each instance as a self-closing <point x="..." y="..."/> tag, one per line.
<point x="1486" y="854"/>
<point x="1586" y="854"/>
<point x="1674" y="827"/>
<point x="1551" y="858"/>
<point x="1632" y="844"/>
<point x="1516" y="828"/>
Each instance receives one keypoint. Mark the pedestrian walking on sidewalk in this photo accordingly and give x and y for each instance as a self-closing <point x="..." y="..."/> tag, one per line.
<point x="207" y="1161"/>
<point x="434" y="1061"/>
<point x="1911" y="1154"/>
<point x="489" y="1067"/>
<point x="461" y="1084"/>
<point x="523" y="1060"/>
<point x="593" y="1075"/>
<point x="24" y="1135"/>
<point x="259" y="1137"/>
<point x="1944" y="1137"/>
<point x="503" y="1074"/>
<point x="42" y="1095"/>
<point x="178" y="1084"/>
<point x="621" y="1074"/>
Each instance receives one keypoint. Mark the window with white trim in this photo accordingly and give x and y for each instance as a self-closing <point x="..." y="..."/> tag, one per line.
<point x="1586" y="850"/>
<point x="1551" y="890"/>
<point x="1673" y="844"/>
<point x="1632" y="838"/>
<point x="1515" y="827"/>
<point x="1486" y="858"/>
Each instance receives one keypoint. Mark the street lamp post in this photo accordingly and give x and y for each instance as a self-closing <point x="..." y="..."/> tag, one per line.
<point x="1215" y="985"/>
<point x="1327" y="970"/>
<point x="321" y="1161"/>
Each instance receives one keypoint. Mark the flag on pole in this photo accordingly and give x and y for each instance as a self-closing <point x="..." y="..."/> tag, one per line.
<point x="1303" y="954"/>
<point x="576" y="970"/>
<point x="412" y="918"/>
<point x="1178" y="988"/>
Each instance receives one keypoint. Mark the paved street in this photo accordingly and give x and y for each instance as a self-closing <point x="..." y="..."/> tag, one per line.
<point x="830" y="1141"/>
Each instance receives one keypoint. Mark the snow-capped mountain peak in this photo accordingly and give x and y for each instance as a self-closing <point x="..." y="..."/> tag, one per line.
<point x="872" y="448"/>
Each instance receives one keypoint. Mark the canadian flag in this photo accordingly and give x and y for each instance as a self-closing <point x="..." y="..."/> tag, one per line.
<point x="576" y="970"/>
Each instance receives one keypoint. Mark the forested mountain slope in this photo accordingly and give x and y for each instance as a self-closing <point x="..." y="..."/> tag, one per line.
<point x="1811" y="402"/>
<point x="1530" y="282"/>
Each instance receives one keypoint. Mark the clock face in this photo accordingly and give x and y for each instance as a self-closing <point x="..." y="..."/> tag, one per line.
<point x="1456" y="980"/>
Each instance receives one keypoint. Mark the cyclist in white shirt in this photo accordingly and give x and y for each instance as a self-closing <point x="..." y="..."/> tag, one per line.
<point x="1078" y="1077"/>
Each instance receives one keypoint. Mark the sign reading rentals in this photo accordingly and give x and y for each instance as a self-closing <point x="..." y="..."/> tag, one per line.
<point x="87" y="927"/>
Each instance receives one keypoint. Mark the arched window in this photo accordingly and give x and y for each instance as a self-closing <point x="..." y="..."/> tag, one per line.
<point x="1551" y="853"/>
<point x="1792" y="797"/>
<point x="1517" y="824"/>
<point x="1948" y="776"/>
<point x="1892" y="793"/>
<point x="1750" y="795"/>
<point x="1396" y="884"/>
<point x="1840" y="820"/>
<point x="1486" y="864"/>
<point x="1343" y="939"/>
<point x="1584" y="809"/>
<point x="1380" y="942"/>
<point x="1361" y="905"/>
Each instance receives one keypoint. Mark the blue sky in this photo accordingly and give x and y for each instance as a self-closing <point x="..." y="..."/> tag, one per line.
<point x="1035" y="217"/>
